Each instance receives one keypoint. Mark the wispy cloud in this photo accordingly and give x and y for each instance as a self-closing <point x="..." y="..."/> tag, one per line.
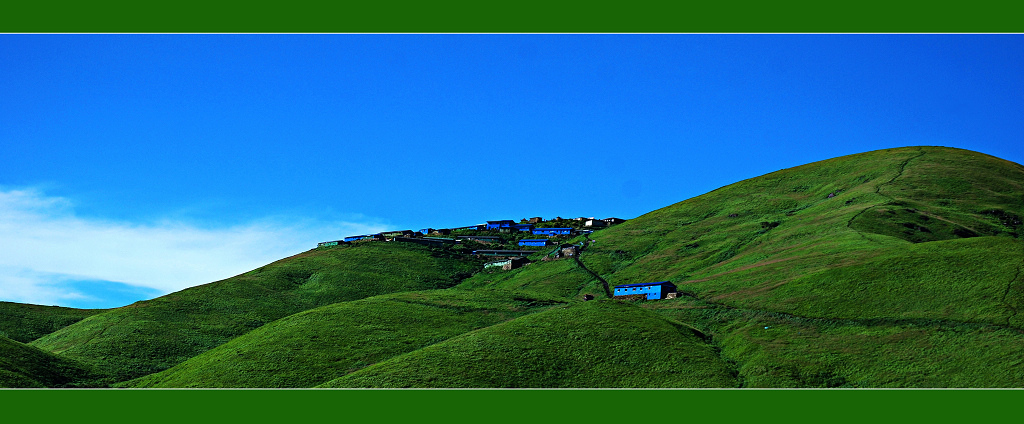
<point x="44" y="245"/>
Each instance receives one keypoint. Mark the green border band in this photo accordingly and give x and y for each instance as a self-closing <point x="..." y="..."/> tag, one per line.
<point x="512" y="406"/>
<point x="509" y="16"/>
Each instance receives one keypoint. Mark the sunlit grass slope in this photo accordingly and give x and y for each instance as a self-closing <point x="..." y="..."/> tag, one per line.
<point x="24" y="322"/>
<point x="558" y="277"/>
<point x="781" y="350"/>
<point x="26" y="366"/>
<point x="911" y="232"/>
<point x="318" y="345"/>
<point x="586" y="344"/>
<point x="154" y="335"/>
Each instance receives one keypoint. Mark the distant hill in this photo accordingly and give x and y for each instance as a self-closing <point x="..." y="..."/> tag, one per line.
<point x="893" y="268"/>
<point x="24" y="323"/>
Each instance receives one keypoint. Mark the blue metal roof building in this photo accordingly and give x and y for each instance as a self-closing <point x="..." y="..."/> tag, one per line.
<point x="533" y="242"/>
<point x="653" y="291"/>
<point x="523" y="227"/>
<point x="552" y="231"/>
<point x="505" y="223"/>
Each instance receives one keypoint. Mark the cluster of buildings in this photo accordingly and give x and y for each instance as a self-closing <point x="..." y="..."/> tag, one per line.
<point x="501" y="226"/>
<point x="512" y="259"/>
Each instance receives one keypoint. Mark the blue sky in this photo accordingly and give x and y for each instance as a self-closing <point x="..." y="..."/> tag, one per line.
<point x="137" y="165"/>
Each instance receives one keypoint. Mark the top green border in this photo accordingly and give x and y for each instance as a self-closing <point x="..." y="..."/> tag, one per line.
<point x="550" y="16"/>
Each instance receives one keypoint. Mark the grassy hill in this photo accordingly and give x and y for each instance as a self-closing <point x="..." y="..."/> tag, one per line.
<point x="780" y="243"/>
<point x="592" y="344"/>
<point x="557" y="278"/>
<point x="154" y="335"/>
<point x="893" y="268"/>
<point x="318" y="345"/>
<point x="909" y="275"/>
<point x="26" y="366"/>
<point x="24" y="323"/>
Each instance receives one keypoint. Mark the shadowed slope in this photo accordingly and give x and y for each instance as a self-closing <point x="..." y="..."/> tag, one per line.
<point x="26" y="366"/>
<point x="154" y="335"/>
<point x="591" y="344"/>
<point x="318" y="345"/>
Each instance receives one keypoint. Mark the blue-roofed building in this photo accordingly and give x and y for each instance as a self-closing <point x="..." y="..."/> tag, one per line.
<point x="497" y="225"/>
<point x="426" y="231"/>
<point x="653" y="291"/>
<point x="533" y="242"/>
<point x="553" y="231"/>
<point x="523" y="227"/>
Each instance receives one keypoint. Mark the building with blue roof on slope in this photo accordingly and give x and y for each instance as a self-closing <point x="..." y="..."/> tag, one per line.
<point x="533" y="242"/>
<point x="497" y="225"/>
<point x="653" y="291"/>
<point x="553" y="231"/>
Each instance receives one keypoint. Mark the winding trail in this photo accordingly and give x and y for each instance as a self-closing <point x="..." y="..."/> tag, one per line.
<point x="607" y="290"/>
<point x="878" y="188"/>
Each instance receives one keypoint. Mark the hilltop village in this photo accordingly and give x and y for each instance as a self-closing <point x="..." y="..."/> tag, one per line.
<point x="528" y="232"/>
<point x="511" y="242"/>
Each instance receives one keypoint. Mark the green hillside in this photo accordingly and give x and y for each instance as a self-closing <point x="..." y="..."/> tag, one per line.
<point x="318" y="345"/>
<point x="26" y="366"/>
<point x="909" y="276"/>
<point x="24" y="323"/>
<point x="779" y="243"/>
<point x="591" y="344"/>
<point x="154" y="335"/>
<point x="557" y="278"/>
<point x="893" y="268"/>
<point x="780" y="350"/>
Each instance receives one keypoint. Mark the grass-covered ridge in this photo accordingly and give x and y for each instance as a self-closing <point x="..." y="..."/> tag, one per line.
<point x="154" y="335"/>
<point x="557" y="278"/>
<point x="781" y="350"/>
<point x="591" y="344"/>
<point x="779" y="242"/>
<point x="318" y="345"/>
<point x="24" y="322"/>
<point x="24" y="366"/>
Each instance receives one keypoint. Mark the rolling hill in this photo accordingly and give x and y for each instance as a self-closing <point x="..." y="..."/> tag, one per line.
<point x="318" y="345"/>
<point x="153" y="335"/>
<point x="24" y="322"/>
<point x="892" y="268"/>
<point x="592" y="344"/>
<point x="23" y="366"/>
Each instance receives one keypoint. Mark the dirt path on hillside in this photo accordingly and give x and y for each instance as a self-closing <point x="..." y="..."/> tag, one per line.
<point x="607" y="290"/>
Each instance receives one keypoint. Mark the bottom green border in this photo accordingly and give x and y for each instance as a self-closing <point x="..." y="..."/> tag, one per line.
<point x="519" y="406"/>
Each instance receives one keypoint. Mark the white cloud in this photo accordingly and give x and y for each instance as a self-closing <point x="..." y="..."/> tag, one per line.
<point x="42" y="241"/>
